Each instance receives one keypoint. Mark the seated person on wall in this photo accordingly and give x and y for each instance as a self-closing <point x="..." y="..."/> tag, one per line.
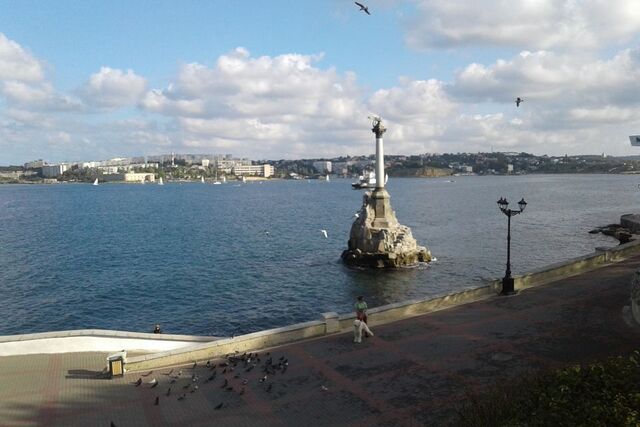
<point x="157" y="329"/>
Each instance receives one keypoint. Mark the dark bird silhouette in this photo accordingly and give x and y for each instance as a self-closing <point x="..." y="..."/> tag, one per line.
<point x="169" y="391"/>
<point x="518" y="101"/>
<point x="154" y="384"/>
<point x="364" y="8"/>
<point x="219" y="406"/>
<point x="137" y="383"/>
<point x="157" y="400"/>
<point x="208" y="363"/>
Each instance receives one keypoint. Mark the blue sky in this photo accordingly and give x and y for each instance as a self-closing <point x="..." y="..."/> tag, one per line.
<point x="107" y="79"/>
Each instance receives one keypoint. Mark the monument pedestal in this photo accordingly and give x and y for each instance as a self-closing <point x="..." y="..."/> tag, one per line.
<point x="378" y="240"/>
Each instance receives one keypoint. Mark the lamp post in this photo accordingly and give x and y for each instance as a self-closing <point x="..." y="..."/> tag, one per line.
<point x="507" y="281"/>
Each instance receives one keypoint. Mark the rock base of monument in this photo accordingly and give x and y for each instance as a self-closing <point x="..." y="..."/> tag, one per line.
<point x="377" y="240"/>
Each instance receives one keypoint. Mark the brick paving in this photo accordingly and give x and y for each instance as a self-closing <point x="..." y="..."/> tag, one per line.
<point x="412" y="373"/>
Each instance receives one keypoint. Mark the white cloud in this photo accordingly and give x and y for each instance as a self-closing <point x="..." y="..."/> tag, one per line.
<point x="18" y="64"/>
<point x="112" y="88"/>
<point x="530" y="24"/>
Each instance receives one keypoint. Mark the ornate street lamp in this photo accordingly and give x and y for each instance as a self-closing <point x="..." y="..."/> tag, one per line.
<point x="507" y="281"/>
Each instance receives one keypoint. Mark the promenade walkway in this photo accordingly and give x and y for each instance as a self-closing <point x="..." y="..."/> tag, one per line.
<point x="413" y="372"/>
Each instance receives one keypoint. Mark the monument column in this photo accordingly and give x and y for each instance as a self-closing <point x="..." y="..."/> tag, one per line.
<point x="379" y="129"/>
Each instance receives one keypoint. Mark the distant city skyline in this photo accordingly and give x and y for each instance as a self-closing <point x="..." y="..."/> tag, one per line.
<point x="290" y="79"/>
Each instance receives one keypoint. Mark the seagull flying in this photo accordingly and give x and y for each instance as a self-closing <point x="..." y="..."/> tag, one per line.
<point x="518" y="101"/>
<point x="363" y="8"/>
<point x="324" y="233"/>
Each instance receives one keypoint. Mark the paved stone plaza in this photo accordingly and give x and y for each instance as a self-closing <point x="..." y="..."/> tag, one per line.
<point x="412" y="373"/>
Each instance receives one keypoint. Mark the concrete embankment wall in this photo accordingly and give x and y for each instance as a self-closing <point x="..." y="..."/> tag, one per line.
<point x="94" y="340"/>
<point x="184" y="352"/>
<point x="334" y="323"/>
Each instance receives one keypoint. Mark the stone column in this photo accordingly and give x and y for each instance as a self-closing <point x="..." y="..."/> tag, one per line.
<point x="379" y="129"/>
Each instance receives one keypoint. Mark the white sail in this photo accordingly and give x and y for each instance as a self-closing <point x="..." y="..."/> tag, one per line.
<point x="244" y="179"/>
<point x="160" y="182"/>
<point x="95" y="182"/>
<point x="327" y="178"/>
<point x="202" y="179"/>
<point x="224" y="178"/>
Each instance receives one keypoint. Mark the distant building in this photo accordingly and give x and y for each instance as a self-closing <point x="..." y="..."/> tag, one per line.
<point x="322" y="166"/>
<point x="139" y="177"/>
<point x="108" y="169"/>
<point x="52" y="171"/>
<point x="205" y="163"/>
<point x="254" y="170"/>
<point x="509" y="168"/>
<point x="35" y="164"/>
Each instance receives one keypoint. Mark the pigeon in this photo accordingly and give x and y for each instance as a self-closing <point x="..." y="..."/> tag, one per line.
<point x="245" y="381"/>
<point x="363" y="8"/>
<point x="195" y="388"/>
<point x="219" y="406"/>
<point x="157" y="401"/>
<point x="518" y="101"/>
<point x="263" y="379"/>
<point x="137" y="383"/>
<point x="154" y="384"/>
<point x="169" y="391"/>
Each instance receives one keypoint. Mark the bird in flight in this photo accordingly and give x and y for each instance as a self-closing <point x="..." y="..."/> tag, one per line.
<point x="363" y="8"/>
<point x="324" y="233"/>
<point x="518" y="101"/>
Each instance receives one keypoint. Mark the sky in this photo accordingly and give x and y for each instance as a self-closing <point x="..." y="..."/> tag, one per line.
<point x="283" y="79"/>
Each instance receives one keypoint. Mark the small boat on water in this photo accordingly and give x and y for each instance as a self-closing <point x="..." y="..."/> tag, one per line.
<point x="95" y="182"/>
<point x="160" y="182"/>
<point x="327" y="178"/>
<point x="244" y="180"/>
<point x="368" y="181"/>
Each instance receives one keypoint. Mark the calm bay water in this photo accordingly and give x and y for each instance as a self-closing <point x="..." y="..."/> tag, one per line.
<point x="196" y="257"/>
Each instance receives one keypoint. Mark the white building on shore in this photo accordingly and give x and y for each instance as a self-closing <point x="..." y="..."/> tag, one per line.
<point x="253" y="170"/>
<point x="52" y="171"/>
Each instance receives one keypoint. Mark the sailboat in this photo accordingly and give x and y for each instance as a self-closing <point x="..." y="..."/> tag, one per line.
<point x="216" y="182"/>
<point x="160" y="182"/>
<point x="202" y="179"/>
<point x="244" y="180"/>
<point x="95" y="182"/>
<point x="224" y="179"/>
<point x="327" y="178"/>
